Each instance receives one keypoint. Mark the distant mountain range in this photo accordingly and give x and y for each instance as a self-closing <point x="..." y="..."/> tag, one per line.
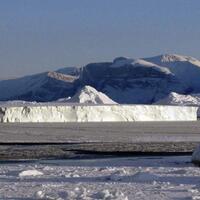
<point x="125" y="80"/>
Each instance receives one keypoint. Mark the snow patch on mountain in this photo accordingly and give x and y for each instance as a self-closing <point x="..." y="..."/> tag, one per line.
<point x="122" y="61"/>
<point x="89" y="95"/>
<point x="144" y="63"/>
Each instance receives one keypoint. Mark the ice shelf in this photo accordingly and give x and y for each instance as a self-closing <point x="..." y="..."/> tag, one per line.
<point x="96" y="113"/>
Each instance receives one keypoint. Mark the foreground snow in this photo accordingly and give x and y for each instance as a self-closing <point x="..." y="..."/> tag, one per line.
<point x="32" y="172"/>
<point x="112" y="178"/>
<point x="98" y="113"/>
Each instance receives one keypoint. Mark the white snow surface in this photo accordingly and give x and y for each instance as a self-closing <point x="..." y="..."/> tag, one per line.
<point x="144" y="63"/>
<point x="147" y="178"/>
<point x="31" y="172"/>
<point x="181" y="100"/>
<point x="175" y="57"/>
<point x="96" y="113"/>
<point x="89" y="95"/>
<point x="170" y="58"/>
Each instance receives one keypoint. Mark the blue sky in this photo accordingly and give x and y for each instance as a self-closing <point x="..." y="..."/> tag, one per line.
<point x="41" y="35"/>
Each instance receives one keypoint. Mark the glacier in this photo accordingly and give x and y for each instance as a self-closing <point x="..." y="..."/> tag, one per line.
<point x="95" y="113"/>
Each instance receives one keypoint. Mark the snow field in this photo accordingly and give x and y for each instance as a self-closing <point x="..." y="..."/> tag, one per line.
<point x="114" y="178"/>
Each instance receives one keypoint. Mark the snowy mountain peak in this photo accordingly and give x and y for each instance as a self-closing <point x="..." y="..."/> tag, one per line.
<point x="169" y="58"/>
<point x="172" y="58"/>
<point x="175" y="57"/>
<point x="89" y="95"/>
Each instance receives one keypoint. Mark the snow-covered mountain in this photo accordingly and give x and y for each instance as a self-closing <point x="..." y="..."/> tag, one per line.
<point x="185" y="68"/>
<point x="131" y="81"/>
<point x="124" y="80"/>
<point x="89" y="95"/>
<point x="42" y="87"/>
<point x="182" y="100"/>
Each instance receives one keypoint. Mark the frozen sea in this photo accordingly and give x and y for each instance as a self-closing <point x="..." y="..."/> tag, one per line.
<point x="152" y="177"/>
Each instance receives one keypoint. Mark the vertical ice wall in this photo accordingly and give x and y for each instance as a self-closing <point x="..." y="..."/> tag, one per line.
<point x="97" y="113"/>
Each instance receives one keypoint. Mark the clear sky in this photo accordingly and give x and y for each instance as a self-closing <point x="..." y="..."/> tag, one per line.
<point x="42" y="35"/>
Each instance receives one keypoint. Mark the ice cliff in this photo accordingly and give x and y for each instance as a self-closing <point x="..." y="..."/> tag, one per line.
<point x="181" y="100"/>
<point x="96" y="113"/>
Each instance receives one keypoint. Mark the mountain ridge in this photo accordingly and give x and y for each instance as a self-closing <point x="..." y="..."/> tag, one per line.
<point x="124" y="80"/>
